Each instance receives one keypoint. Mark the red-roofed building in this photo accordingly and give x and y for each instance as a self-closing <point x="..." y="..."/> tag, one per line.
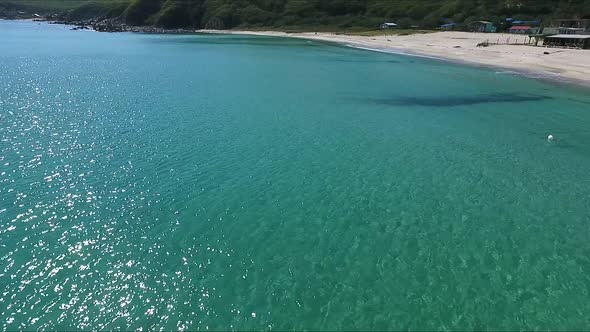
<point x="521" y="29"/>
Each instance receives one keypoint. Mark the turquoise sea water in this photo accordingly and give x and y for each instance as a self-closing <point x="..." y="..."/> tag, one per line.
<point x="232" y="182"/>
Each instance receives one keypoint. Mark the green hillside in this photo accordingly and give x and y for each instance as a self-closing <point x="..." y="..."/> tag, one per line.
<point x="225" y="14"/>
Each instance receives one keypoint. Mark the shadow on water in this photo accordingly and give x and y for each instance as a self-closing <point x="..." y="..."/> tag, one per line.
<point x="452" y="101"/>
<point x="573" y="140"/>
<point x="567" y="145"/>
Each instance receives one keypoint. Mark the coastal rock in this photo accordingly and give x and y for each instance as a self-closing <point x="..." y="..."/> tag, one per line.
<point x="115" y="25"/>
<point x="81" y="27"/>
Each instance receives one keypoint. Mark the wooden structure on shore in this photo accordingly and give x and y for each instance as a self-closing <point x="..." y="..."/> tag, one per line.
<point x="567" y="41"/>
<point x="582" y="24"/>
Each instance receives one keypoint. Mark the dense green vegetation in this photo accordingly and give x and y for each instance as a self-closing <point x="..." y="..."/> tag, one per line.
<point x="223" y="14"/>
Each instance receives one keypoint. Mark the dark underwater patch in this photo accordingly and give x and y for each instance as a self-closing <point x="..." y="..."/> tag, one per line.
<point x="453" y="101"/>
<point x="579" y="101"/>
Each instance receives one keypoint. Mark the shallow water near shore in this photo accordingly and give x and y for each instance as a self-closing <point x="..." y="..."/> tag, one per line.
<point x="233" y="182"/>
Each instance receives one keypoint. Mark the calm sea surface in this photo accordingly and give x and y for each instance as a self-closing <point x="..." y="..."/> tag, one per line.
<point x="232" y="182"/>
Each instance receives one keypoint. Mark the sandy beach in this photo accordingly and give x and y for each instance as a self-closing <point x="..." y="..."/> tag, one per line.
<point x="559" y="64"/>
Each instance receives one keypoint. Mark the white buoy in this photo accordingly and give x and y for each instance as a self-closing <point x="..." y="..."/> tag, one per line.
<point x="550" y="138"/>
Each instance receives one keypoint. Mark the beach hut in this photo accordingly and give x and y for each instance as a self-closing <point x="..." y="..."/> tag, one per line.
<point x="481" y="26"/>
<point x="520" y="29"/>
<point x="388" y="25"/>
<point x="568" y="41"/>
<point x="531" y="23"/>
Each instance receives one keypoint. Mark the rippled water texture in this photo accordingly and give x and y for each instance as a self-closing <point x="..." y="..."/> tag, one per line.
<point x="228" y="182"/>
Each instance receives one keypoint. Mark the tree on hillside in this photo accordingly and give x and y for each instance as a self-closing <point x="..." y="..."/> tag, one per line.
<point x="223" y="14"/>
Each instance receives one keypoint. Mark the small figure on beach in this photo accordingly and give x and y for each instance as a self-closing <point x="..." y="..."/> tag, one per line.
<point x="550" y="138"/>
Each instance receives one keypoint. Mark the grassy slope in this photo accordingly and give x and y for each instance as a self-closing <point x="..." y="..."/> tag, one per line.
<point x="353" y="31"/>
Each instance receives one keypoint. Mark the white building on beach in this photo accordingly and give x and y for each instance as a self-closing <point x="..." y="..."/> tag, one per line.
<point x="388" y="25"/>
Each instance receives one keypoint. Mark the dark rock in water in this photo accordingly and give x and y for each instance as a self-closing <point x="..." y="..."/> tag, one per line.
<point x="83" y="27"/>
<point x="107" y="27"/>
<point x="114" y="25"/>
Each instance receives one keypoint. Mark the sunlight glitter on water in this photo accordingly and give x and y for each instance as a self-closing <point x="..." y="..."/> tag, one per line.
<point x="180" y="182"/>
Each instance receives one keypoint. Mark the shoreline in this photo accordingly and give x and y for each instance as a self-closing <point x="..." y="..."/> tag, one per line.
<point x="560" y="66"/>
<point x="564" y="66"/>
